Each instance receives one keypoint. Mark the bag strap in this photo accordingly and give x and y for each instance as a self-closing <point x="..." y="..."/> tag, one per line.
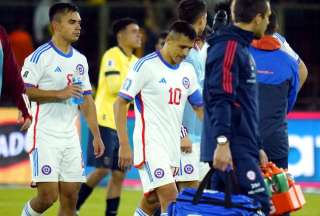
<point x="207" y="180"/>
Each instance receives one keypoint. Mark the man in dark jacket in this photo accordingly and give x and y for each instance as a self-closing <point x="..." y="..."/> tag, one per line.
<point x="230" y="136"/>
<point x="11" y="84"/>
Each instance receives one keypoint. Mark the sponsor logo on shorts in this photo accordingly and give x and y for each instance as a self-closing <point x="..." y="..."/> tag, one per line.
<point x="251" y="175"/>
<point x="80" y="69"/>
<point x="188" y="169"/>
<point x="186" y="82"/>
<point x="159" y="173"/>
<point x="46" y="169"/>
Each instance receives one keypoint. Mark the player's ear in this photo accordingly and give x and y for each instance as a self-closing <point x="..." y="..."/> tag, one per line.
<point x="54" y="26"/>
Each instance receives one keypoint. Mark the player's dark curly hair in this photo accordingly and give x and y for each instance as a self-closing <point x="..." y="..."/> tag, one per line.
<point x="273" y="23"/>
<point x="182" y="27"/>
<point x="191" y="10"/>
<point x="60" y="8"/>
<point x="121" y="24"/>
<point x="246" y="10"/>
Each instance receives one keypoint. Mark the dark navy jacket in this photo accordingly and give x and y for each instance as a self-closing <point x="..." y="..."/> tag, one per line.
<point x="230" y="94"/>
<point x="278" y="82"/>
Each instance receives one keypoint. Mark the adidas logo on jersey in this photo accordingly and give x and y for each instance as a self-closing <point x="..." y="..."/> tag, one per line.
<point x="163" y="80"/>
<point x="57" y="69"/>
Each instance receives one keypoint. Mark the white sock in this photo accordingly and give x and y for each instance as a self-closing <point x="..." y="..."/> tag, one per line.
<point x="28" y="211"/>
<point x="140" y="212"/>
<point x="164" y="214"/>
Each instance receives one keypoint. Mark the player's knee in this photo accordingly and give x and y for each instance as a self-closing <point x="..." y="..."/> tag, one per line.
<point x="48" y="198"/>
<point x="151" y="199"/>
<point x="101" y="172"/>
<point x="70" y="196"/>
<point x="117" y="177"/>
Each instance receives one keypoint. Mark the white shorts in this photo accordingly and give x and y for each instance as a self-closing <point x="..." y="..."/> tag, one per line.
<point x="57" y="160"/>
<point x="156" y="173"/>
<point x="191" y="169"/>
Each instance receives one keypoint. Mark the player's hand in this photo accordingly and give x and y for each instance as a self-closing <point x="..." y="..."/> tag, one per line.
<point x="263" y="157"/>
<point x="70" y="91"/>
<point x="125" y="157"/>
<point x="26" y="122"/>
<point x="98" y="147"/>
<point x="222" y="157"/>
<point x="186" y="145"/>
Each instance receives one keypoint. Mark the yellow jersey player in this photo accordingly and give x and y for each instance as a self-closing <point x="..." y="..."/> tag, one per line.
<point x="114" y="67"/>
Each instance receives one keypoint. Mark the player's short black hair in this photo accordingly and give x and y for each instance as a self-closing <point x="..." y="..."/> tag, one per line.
<point x="60" y="8"/>
<point x="121" y="24"/>
<point x="191" y="10"/>
<point x="184" y="28"/>
<point x="273" y="23"/>
<point x="163" y="35"/>
<point x="246" y="10"/>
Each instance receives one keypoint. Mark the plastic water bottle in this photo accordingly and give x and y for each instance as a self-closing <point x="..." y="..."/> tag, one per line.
<point x="77" y="80"/>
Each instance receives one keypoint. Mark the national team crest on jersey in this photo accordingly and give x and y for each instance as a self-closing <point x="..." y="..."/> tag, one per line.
<point x="159" y="173"/>
<point x="80" y="69"/>
<point x="110" y="63"/>
<point x="188" y="169"/>
<point x="186" y="82"/>
<point x="251" y="175"/>
<point x="46" y="169"/>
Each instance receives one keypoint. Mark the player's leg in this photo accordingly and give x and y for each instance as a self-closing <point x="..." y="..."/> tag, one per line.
<point x="44" y="161"/>
<point x="148" y="205"/>
<point x="47" y="194"/>
<point x="114" y="186"/>
<point x="71" y="176"/>
<point x="166" y="194"/>
<point x="157" y="175"/>
<point x="68" y="195"/>
<point x="251" y="181"/>
<point x="102" y="165"/>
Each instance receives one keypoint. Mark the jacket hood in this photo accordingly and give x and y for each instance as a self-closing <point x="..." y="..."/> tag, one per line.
<point x="231" y="32"/>
<point x="267" y="42"/>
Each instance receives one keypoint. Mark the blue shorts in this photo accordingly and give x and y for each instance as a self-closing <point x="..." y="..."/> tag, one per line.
<point x="109" y="159"/>
<point x="249" y="181"/>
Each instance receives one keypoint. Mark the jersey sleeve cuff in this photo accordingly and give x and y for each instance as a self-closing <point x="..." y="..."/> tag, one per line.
<point x="125" y="96"/>
<point x="87" y="92"/>
<point x="29" y="85"/>
<point x="195" y="99"/>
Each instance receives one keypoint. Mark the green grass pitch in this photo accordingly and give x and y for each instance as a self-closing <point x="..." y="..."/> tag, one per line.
<point x="13" y="199"/>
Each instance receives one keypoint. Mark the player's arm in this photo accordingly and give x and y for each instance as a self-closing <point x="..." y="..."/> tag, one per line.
<point x="14" y="82"/>
<point x="195" y="97"/>
<point x="199" y="111"/>
<point x="294" y="86"/>
<point x="185" y="144"/>
<point x="303" y="73"/>
<point x="88" y="110"/>
<point x="46" y="96"/>
<point x="133" y="84"/>
<point x="120" y="108"/>
<point x="222" y="82"/>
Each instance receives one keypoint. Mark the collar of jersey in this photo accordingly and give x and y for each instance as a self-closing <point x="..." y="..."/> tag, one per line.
<point x="67" y="55"/>
<point x="267" y="42"/>
<point x="173" y="67"/>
